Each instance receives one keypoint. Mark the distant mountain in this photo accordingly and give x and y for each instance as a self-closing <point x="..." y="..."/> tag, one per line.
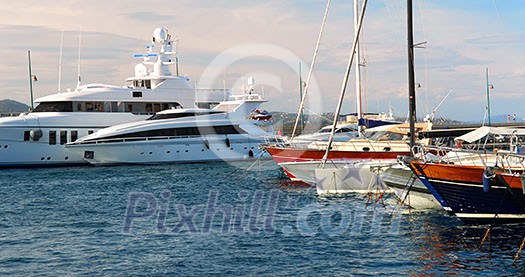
<point x="12" y="106"/>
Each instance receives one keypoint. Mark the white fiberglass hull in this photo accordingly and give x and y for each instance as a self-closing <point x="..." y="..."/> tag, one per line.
<point x="175" y="150"/>
<point x="24" y="154"/>
<point x="354" y="177"/>
<point x="304" y="171"/>
<point x="408" y="188"/>
<point x="16" y="150"/>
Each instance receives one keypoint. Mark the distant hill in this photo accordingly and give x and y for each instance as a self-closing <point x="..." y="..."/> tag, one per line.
<point x="12" y="106"/>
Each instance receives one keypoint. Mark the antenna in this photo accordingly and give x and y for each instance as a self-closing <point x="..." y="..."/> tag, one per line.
<point x="177" y="55"/>
<point x="30" y="79"/>
<point x="79" y="43"/>
<point x="60" y="61"/>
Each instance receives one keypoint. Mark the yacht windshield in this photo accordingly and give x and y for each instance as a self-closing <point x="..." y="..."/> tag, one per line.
<point x="382" y="135"/>
<point x="179" y="115"/>
<point x="54" y="107"/>
<point x="325" y="130"/>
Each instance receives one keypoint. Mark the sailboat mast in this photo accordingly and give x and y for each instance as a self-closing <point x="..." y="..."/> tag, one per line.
<point x="307" y="84"/>
<point x="358" y="71"/>
<point x="411" y="81"/>
<point x="344" y="84"/>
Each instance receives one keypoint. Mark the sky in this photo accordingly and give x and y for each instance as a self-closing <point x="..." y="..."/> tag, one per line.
<point x="223" y="43"/>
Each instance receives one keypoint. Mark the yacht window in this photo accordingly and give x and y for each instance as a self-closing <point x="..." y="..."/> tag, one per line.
<point x="79" y="107"/>
<point x="137" y="93"/>
<point x="188" y="131"/>
<point x="113" y="107"/>
<point x="54" y="107"/>
<point x="148" y="84"/>
<point x="90" y="132"/>
<point x="386" y="136"/>
<point x="89" y="106"/>
<point x="63" y="137"/>
<point x="156" y="107"/>
<point x="26" y="135"/>
<point x="228" y="129"/>
<point x="346" y="130"/>
<point x="99" y="106"/>
<point x="165" y="106"/>
<point x="129" y="107"/>
<point x="149" y="108"/>
<point x="52" y="137"/>
<point x="74" y="135"/>
<point x="174" y="105"/>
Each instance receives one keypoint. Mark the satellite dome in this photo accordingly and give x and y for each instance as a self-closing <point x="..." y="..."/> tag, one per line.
<point x="160" y="34"/>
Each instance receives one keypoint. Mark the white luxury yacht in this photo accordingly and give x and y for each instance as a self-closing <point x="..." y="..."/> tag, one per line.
<point x="180" y="135"/>
<point x="38" y="138"/>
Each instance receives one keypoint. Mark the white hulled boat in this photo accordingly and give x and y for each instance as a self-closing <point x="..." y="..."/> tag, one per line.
<point x="180" y="135"/>
<point x="37" y="138"/>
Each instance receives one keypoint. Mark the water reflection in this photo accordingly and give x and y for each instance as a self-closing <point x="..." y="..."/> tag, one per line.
<point x="448" y="247"/>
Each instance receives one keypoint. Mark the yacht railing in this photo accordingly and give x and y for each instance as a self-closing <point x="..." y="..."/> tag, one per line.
<point x="227" y="139"/>
<point x="459" y="156"/>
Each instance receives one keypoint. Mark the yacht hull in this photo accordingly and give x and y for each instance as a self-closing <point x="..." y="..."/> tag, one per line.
<point x="15" y="154"/>
<point x="19" y="149"/>
<point x="177" y="150"/>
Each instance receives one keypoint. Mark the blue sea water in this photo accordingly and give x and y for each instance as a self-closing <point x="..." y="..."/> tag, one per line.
<point x="228" y="219"/>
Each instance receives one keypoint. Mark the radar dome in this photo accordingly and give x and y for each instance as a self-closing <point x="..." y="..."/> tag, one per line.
<point x="160" y="34"/>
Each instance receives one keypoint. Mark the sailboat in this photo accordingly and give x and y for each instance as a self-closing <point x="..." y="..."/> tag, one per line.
<point x="477" y="185"/>
<point x="345" y="167"/>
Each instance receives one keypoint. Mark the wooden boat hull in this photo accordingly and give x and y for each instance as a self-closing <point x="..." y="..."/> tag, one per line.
<point x="460" y="191"/>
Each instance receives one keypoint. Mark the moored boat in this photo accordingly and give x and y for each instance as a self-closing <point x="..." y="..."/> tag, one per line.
<point x="482" y="186"/>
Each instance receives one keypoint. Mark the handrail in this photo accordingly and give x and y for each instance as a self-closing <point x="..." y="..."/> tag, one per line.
<point x="131" y="139"/>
